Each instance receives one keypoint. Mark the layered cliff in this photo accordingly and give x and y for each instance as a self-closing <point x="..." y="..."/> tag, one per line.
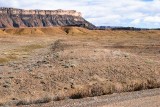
<point x="12" y="17"/>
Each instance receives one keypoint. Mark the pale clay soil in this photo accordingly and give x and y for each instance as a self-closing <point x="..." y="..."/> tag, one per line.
<point x="42" y="69"/>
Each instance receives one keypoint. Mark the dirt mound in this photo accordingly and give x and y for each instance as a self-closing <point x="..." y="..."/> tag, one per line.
<point x="53" y="31"/>
<point x="24" y="31"/>
<point x="75" y="30"/>
<point x="79" y="31"/>
<point x="2" y="32"/>
<point x="49" y="31"/>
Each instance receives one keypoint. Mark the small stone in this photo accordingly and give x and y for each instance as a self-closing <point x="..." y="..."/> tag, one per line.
<point x="50" y="66"/>
<point x="14" y="98"/>
<point x="65" y="88"/>
<point x="11" y="77"/>
<point x="6" y="86"/>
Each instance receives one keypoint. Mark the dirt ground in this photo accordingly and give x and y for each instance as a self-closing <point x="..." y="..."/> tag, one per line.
<point x="71" y="63"/>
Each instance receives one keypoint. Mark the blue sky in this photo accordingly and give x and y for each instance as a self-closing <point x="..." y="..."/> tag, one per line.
<point x="137" y="13"/>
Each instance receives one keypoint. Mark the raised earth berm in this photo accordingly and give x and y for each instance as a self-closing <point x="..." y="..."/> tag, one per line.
<point x="2" y="32"/>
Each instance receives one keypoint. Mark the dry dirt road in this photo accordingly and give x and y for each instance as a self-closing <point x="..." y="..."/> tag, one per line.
<point x="144" y="98"/>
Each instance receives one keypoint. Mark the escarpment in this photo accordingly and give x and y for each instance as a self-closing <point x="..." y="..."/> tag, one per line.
<point x="12" y="17"/>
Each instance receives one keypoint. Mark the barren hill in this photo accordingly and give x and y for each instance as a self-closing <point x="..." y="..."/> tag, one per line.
<point x="12" y="17"/>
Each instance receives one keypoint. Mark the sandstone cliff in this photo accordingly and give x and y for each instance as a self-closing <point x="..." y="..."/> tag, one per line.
<point x="12" y="17"/>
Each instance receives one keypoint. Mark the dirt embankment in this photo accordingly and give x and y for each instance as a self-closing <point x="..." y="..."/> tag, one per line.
<point x="77" y="64"/>
<point x="45" y="31"/>
<point x="75" y="31"/>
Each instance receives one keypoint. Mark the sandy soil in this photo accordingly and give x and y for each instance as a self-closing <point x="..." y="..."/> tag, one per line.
<point x="76" y="63"/>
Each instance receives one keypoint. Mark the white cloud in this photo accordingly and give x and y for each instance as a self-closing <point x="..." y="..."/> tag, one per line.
<point x="136" y="21"/>
<point x="140" y="13"/>
<point x="154" y="19"/>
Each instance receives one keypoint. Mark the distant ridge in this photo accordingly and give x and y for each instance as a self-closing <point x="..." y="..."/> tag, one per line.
<point x="12" y="17"/>
<point x="124" y="28"/>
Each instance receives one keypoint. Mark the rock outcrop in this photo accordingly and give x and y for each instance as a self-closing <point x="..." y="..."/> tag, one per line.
<point x="12" y="17"/>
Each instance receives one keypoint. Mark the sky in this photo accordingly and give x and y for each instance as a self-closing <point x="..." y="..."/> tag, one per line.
<point x="135" y="13"/>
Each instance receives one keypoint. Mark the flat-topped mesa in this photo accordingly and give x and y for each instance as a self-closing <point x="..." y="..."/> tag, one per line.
<point x="15" y="11"/>
<point x="13" y="17"/>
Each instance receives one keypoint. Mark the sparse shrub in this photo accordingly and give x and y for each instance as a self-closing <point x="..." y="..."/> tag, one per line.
<point x="135" y="85"/>
<point x="118" y="87"/>
<point x="151" y="83"/>
<point x="2" y="104"/>
<point x="37" y="101"/>
<point x="57" y="46"/>
<point x="23" y="102"/>
<point x="42" y="100"/>
<point x="91" y="91"/>
<point x="96" y="90"/>
<point x="77" y="95"/>
<point x="79" y="92"/>
<point x="60" y="96"/>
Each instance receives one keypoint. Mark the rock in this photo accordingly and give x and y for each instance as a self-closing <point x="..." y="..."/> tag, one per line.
<point x="12" y="17"/>
<point x="6" y="86"/>
<point x="70" y="63"/>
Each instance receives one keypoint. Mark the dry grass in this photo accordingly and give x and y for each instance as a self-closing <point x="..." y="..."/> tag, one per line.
<point x="38" y="101"/>
<point x="30" y="47"/>
<point x="7" y="59"/>
<point x="13" y="55"/>
<point x="105" y="88"/>
<point x="3" y="60"/>
<point x="24" y="49"/>
<point x="91" y="91"/>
